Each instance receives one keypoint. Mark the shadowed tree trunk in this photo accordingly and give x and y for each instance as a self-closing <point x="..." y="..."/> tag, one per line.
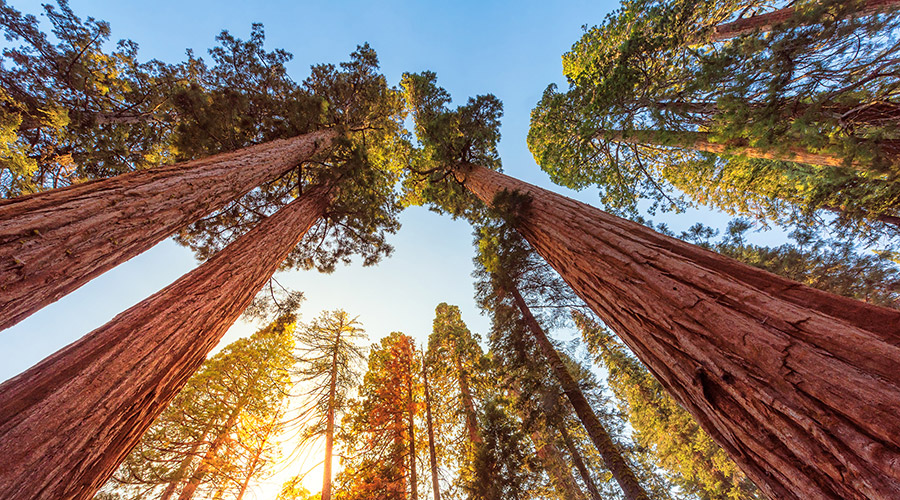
<point x="699" y="141"/>
<point x="549" y="455"/>
<point x="468" y="403"/>
<point x="800" y="386"/>
<point x="578" y="461"/>
<point x="765" y="22"/>
<point x="53" y="242"/>
<point x="67" y="422"/>
<point x="556" y="467"/>
<point x="613" y="458"/>
<point x="431" y="453"/>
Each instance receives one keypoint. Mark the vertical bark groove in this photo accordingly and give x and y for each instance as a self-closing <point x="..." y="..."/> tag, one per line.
<point x="800" y="386"/>
<point x="53" y="242"/>
<point x="67" y="422"/>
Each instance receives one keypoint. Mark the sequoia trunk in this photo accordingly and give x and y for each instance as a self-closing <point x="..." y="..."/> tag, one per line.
<point x="800" y="386"/>
<point x="765" y="22"/>
<point x="612" y="457"/>
<point x="431" y="453"/>
<point x="67" y="422"/>
<point x="53" y="242"/>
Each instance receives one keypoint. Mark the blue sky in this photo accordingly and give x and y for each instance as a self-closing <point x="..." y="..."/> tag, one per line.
<point x="509" y="48"/>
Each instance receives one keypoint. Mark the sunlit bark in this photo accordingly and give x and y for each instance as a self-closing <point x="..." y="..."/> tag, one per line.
<point x="799" y="386"/>
<point x="53" y="242"/>
<point x="67" y="422"/>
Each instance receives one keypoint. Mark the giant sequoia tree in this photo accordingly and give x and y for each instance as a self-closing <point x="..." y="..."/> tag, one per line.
<point x="80" y="411"/>
<point x="347" y="199"/>
<point x="687" y="314"/>
<point x="507" y="265"/>
<point x="341" y="122"/>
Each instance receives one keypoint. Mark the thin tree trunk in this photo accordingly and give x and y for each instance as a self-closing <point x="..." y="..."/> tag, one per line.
<point x="251" y="469"/>
<point x="549" y="455"/>
<point x="67" y="422"/>
<point x="221" y="437"/>
<point x="185" y="465"/>
<point x="53" y="242"/>
<point x="329" y="424"/>
<point x="556" y="467"/>
<point x="799" y="386"/>
<point x="579" y="462"/>
<point x="613" y="458"/>
<point x="699" y="141"/>
<point x="431" y="453"/>
<point x="765" y="22"/>
<point x="468" y="404"/>
<point x="413" y="483"/>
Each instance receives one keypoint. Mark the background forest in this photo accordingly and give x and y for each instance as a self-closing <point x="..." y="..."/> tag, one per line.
<point x="775" y="145"/>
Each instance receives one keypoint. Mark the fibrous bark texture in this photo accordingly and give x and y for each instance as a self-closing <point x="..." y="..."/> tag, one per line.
<point x="53" y="242"/>
<point x="801" y="387"/>
<point x="612" y="456"/>
<point x="67" y="422"/>
<point x="765" y="22"/>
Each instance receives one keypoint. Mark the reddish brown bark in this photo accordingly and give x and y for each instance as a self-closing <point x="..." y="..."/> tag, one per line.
<point x="800" y="386"/>
<point x="67" y="422"/>
<point x="411" y="408"/>
<point x="607" y="448"/>
<point x="765" y="22"/>
<point x="699" y="141"/>
<point x="431" y="452"/>
<point x="53" y="242"/>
